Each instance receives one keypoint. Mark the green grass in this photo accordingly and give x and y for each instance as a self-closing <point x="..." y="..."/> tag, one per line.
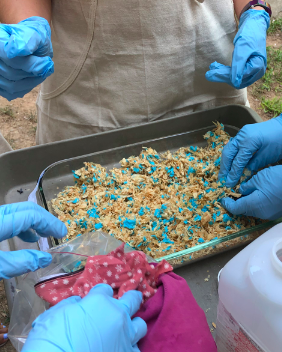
<point x="32" y="117"/>
<point x="273" y="106"/>
<point x="12" y="142"/>
<point x="33" y="129"/>
<point x="7" y="110"/>
<point x="272" y="80"/>
<point x="275" y="26"/>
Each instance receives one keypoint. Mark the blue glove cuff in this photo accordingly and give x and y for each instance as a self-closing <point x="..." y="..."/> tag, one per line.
<point x="40" y="20"/>
<point x="255" y="15"/>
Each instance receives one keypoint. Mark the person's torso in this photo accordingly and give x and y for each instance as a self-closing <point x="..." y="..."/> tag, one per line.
<point x="124" y="62"/>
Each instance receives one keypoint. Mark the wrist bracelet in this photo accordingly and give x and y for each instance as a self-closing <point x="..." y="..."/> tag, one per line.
<point x="255" y="3"/>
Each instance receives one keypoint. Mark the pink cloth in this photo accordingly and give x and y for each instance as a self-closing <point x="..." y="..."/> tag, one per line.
<point x="175" y="321"/>
<point x="122" y="271"/>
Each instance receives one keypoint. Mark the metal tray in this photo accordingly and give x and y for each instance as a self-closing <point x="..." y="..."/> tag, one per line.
<point x="20" y="169"/>
<point x="59" y="175"/>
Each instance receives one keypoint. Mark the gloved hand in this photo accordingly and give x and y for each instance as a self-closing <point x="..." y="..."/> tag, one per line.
<point x="18" y="220"/>
<point x="249" y="56"/>
<point x="96" y="323"/>
<point x="25" y="56"/>
<point x="255" y="146"/>
<point x="263" y="195"/>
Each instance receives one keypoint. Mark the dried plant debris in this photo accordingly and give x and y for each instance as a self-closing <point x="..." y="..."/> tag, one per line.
<point x="157" y="203"/>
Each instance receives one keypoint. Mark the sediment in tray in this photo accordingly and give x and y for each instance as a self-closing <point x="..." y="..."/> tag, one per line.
<point x="157" y="203"/>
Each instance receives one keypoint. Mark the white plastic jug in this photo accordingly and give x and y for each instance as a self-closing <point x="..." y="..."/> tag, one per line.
<point x="249" y="315"/>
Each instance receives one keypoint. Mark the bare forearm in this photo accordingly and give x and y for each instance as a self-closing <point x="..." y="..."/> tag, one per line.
<point x="14" y="11"/>
<point x="240" y="4"/>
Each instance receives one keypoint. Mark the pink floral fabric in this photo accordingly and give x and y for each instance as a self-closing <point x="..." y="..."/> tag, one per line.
<point x="122" y="271"/>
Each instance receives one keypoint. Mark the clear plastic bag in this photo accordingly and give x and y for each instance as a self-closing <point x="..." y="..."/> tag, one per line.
<point x="67" y="258"/>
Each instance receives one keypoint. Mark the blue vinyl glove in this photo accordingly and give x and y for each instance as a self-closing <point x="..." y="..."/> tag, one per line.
<point x="254" y="147"/>
<point x="249" y="56"/>
<point x="262" y="195"/>
<point x="25" y="56"/>
<point x="96" y="323"/>
<point x="20" y="219"/>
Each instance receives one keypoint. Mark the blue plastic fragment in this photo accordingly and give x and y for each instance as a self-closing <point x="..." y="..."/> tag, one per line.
<point x="74" y="174"/>
<point x="166" y="239"/>
<point x="93" y="213"/>
<point x="129" y="224"/>
<point x="200" y="240"/>
<point x="191" y="170"/>
<point x="217" y="162"/>
<point x="77" y="264"/>
<point x="170" y="171"/>
<point x="193" y="203"/>
<point x="84" y="188"/>
<point x="167" y="248"/>
<point x="157" y="213"/>
<point x="98" y="226"/>
<point x="154" y="225"/>
<point x="155" y="180"/>
<point x="226" y="218"/>
<point x="83" y="224"/>
<point x="74" y="201"/>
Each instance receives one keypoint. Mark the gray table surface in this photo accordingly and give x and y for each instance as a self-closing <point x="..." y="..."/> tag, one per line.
<point x="205" y="292"/>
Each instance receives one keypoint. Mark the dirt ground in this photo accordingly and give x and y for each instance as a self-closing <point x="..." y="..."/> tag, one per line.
<point x="4" y="317"/>
<point x="18" y="120"/>
<point x="18" y="125"/>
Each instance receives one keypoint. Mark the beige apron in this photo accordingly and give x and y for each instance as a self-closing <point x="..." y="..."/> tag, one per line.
<point x="126" y="62"/>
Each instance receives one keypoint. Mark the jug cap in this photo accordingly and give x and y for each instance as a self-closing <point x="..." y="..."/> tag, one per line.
<point x="276" y="255"/>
